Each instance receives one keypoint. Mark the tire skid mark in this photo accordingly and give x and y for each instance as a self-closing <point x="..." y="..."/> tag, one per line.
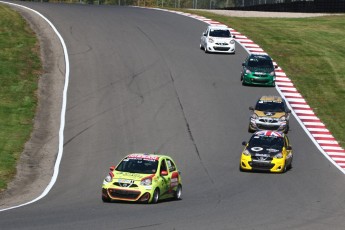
<point x="303" y="113"/>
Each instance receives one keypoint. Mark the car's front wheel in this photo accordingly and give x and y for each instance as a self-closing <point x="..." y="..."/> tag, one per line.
<point x="155" y="196"/>
<point x="178" y="192"/>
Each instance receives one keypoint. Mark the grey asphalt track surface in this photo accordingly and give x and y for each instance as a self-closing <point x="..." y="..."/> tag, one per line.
<point x="140" y="83"/>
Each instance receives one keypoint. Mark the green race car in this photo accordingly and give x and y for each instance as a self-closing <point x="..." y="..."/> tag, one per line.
<point x="258" y="70"/>
<point x="141" y="177"/>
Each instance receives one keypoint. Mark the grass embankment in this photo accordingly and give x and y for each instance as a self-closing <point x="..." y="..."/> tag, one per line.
<point x="20" y="66"/>
<point x="311" y="51"/>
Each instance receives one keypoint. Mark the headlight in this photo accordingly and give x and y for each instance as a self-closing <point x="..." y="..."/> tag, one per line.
<point x="283" y="118"/>
<point x="254" y="116"/>
<point x="146" y="181"/>
<point x="232" y="42"/>
<point x="248" y="71"/>
<point x="279" y="156"/>
<point x="108" y="179"/>
<point x="210" y="40"/>
<point x="272" y="73"/>
<point x="246" y="152"/>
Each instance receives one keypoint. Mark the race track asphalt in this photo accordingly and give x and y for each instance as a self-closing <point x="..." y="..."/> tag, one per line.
<point x="140" y="83"/>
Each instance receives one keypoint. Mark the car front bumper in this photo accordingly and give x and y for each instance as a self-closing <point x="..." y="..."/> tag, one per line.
<point x="275" y="166"/>
<point x="214" y="48"/>
<point x="263" y="80"/>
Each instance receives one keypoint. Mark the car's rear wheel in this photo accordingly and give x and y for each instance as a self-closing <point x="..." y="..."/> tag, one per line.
<point x="155" y="196"/>
<point x="178" y="192"/>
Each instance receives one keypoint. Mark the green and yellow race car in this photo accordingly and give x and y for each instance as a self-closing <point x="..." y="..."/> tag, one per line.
<point x="141" y="177"/>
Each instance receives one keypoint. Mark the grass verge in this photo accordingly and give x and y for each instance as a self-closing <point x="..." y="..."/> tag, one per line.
<point x="20" y="67"/>
<point x="311" y="51"/>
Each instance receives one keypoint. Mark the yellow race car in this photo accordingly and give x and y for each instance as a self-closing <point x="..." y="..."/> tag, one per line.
<point x="267" y="151"/>
<point x="141" y="177"/>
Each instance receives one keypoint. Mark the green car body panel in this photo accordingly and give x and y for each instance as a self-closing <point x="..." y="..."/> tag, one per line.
<point x="258" y="70"/>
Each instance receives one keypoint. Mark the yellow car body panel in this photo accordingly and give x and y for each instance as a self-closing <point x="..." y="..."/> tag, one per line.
<point x="271" y="164"/>
<point x="129" y="186"/>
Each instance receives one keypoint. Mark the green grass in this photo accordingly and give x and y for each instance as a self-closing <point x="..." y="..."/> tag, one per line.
<point x="311" y="51"/>
<point x="20" y="67"/>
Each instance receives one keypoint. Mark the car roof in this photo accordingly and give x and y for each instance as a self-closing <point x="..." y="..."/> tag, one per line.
<point x="221" y="27"/>
<point x="260" y="56"/>
<point x="269" y="133"/>
<point x="272" y="98"/>
<point x="146" y="156"/>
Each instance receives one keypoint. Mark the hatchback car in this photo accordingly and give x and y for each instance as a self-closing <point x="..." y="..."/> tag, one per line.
<point x="267" y="151"/>
<point x="217" y="39"/>
<point x="141" y="177"/>
<point x="269" y="113"/>
<point x="258" y="69"/>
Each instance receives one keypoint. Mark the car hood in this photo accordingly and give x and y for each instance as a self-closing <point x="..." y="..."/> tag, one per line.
<point x="259" y="151"/>
<point x="217" y="39"/>
<point x="260" y="70"/>
<point x="269" y="114"/>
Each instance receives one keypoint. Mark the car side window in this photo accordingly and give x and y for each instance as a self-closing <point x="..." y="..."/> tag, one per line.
<point x="171" y="165"/>
<point x="163" y="166"/>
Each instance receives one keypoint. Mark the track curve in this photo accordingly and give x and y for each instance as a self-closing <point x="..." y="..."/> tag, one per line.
<point x="140" y="83"/>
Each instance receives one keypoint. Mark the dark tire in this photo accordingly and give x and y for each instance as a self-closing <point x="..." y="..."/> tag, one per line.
<point x="285" y="168"/>
<point x="178" y="193"/>
<point x="241" y="170"/>
<point x="155" y="196"/>
<point x="201" y="47"/>
<point x="105" y="199"/>
<point x="205" y="49"/>
<point x="250" y="130"/>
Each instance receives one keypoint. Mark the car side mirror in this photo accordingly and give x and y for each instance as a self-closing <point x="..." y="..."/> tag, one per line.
<point x="243" y="64"/>
<point x="244" y="143"/>
<point x="276" y="67"/>
<point x="251" y="108"/>
<point x="288" y="111"/>
<point x="112" y="168"/>
<point x="233" y="36"/>
<point x="289" y="148"/>
<point x="204" y="34"/>
<point x="164" y="173"/>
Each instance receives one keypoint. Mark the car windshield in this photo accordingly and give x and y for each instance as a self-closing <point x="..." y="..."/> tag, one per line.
<point x="137" y="165"/>
<point x="220" y="33"/>
<point x="270" y="106"/>
<point x="260" y="63"/>
<point x="266" y="141"/>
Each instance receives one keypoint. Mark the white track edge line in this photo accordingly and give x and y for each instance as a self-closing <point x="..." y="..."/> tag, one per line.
<point x="280" y="92"/>
<point x="63" y="112"/>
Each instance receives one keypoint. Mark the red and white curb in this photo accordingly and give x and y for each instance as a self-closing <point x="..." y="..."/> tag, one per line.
<point x="313" y="126"/>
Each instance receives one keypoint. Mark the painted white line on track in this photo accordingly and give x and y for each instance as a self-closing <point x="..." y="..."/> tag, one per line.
<point x="63" y="111"/>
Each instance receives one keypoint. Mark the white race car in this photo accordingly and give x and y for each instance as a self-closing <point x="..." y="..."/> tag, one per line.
<point x="217" y="39"/>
